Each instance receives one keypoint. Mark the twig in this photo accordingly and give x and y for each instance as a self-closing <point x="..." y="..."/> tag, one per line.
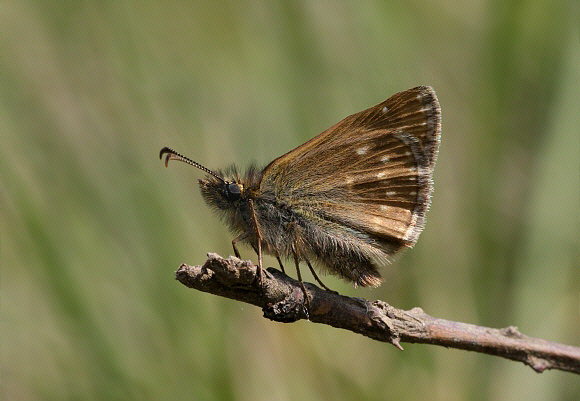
<point x="282" y="299"/>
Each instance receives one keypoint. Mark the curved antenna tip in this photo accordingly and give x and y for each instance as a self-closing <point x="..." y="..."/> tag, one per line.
<point x="172" y="154"/>
<point x="168" y="152"/>
<point x="163" y="151"/>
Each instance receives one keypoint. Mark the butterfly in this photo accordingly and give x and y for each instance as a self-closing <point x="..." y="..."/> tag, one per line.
<point x="349" y="199"/>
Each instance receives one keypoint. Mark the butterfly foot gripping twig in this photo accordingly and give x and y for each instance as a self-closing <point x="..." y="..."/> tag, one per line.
<point x="318" y="279"/>
<point x="306" y="300"/>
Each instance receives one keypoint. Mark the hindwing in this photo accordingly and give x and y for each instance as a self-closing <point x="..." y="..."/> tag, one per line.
<point x="371" y="172"/>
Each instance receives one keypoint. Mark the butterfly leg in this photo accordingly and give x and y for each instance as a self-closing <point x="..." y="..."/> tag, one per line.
<point x="259" y="241"/>
<point x="238" y="239"/>
<point x="317" y="279"/>
<point x="255" y="248"/>
<point x="300" y="279"/>
<point x="280" y="263"/>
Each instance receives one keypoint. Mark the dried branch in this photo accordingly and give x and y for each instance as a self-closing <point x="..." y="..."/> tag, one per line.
<point x="282" y="299"/>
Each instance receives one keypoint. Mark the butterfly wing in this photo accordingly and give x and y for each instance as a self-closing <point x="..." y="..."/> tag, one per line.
<point x="370" y="173"/>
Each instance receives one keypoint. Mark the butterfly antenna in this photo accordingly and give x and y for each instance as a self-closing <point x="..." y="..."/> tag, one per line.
<point x="171" y="154"/>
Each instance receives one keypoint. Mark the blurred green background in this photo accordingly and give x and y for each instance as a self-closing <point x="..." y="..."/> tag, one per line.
<point x="93" y="225"/>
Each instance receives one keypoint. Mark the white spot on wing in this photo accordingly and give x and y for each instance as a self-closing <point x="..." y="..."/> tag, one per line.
<point x="363" y="150"/>
<point x="385" y="109"/>
<point x="381" y="174"/>
<point x="391" y="193"/>
<point x="385" y="159"/>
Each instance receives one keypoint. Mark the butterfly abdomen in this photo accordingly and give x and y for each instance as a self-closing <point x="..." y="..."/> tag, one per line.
<point x="351" y="254"/>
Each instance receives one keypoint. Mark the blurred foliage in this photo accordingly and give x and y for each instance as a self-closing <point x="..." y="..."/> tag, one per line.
<point x="93" y="225"/>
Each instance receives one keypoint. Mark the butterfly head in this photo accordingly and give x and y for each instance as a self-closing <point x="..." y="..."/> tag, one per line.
<point x="217" y="190"/>
<point x="221" y="194"/>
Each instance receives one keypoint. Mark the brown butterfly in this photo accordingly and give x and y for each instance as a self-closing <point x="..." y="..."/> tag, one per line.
<point x="348" y="199"/>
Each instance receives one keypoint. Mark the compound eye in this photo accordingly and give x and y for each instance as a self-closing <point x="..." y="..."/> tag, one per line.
<point x="233" y="191"/>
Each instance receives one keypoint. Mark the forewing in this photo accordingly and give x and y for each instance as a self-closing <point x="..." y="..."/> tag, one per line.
<point x="371" y="172"/>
